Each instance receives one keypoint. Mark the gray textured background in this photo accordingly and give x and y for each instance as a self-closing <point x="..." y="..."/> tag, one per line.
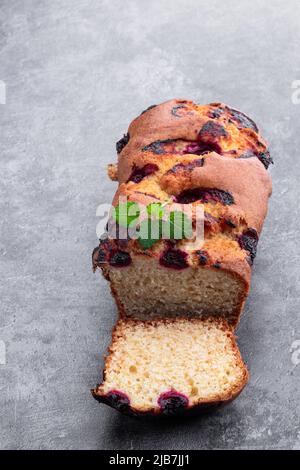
<point x="76" y="73"/>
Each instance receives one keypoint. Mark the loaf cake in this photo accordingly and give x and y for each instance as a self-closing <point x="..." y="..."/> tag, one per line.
<point x="188" y="155"/>
<point x="171" y="366"/>
<point x="180" y="298"/>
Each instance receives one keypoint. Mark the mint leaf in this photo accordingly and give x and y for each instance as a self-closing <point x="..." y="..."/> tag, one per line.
<point x="177" y="226"/>
<point x="126" y="212"/>
<point x="150" y="232"/>
<point x="155" y="209"/>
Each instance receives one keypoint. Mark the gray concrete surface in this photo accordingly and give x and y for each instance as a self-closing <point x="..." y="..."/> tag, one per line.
<point x="76" y="72"/>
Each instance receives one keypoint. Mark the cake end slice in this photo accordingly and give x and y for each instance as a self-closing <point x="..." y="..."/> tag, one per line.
<point x="166" y="367"/>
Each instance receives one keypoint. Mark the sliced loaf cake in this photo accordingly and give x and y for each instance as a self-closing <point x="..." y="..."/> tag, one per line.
<point x="173" y="348"/>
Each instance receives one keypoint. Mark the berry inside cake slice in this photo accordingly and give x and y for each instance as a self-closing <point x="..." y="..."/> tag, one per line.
<point x="171" y="366"/>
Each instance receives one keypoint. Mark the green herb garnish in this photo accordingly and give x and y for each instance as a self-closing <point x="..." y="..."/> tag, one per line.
<point x="125" y="213"/>
<point x="175" y="227"/>
<point x="156" y="210"/>
<point x="150" y="232"/>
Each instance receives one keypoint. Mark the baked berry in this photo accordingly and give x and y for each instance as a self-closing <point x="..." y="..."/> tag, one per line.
<point x="202" y="257"/>
<point x="205" y="195"/>
<point x="178" y="110"/>
<point x="192" y="148"/>
<point x="138" y="174"/>
<point x="201" y="148"/>
<point x="243" y="120"/>
<point x="248" y="241"/>
<point x="99" y="255"/>
<point x="172" y="258"/>
<point x="187" y="166"/>
<point x="215" y="113"/>
<point x="122" y="143"/>
<point x="101" y="252"/>
<point x="119" y="258"/>
<point x="156" y="147"/>
<point x="230" y="223"/>
<point x="218" y="195"/>
<point x="174" y="146"/>
<point x="265" y="158"/>
<point x="172" y="402"/>
<point x="211" y="131"/>
<point x="116" y="399"/>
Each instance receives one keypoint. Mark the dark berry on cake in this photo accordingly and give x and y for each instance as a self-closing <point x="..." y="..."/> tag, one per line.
<point x="156" y="147"/>
<point x="215" y="113"/>
<point x="202" y="257"/>
<point x="179" y="110"/>
<point x="99" y="255"/>
<point x="187" y="166"/>
<point x="172" y="258"/>
<point x="211" y="131"/>
<point x="119" y="258"/>
<point x="242" y="120"/>
<point x="172" y="402"/>
<point x="205" y="195"/>
<point x="117" y="400"/>
<point x="138" y="174"/>
<point x="179" y="147"/>
<point x="265" y="158"/>
<point x="230" y="223"/>
<point x="248" y="241"/>
<point x="122" y="143"/>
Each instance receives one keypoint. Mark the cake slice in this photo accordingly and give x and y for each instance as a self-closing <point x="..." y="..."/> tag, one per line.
<point x="170" y="366"/>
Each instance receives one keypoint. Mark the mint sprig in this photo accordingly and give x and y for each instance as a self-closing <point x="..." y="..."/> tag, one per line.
<point x="156" y="210"/>
<point x="176" y="226"/>
<point x="150" y="232"/>
<point x="125" y="213"/>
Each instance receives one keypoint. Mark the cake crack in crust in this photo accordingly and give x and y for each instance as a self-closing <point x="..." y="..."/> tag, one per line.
<point x="181" y="153"/>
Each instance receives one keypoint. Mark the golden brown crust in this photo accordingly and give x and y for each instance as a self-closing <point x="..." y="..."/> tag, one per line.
<point x="198" y="408"/>
<point x="246" y="180"/>
<point x="162" y="124"/>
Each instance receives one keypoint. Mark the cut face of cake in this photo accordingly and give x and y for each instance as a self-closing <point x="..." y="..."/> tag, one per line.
<point x="171" y="366"/>
<point x="145" y="290"/>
